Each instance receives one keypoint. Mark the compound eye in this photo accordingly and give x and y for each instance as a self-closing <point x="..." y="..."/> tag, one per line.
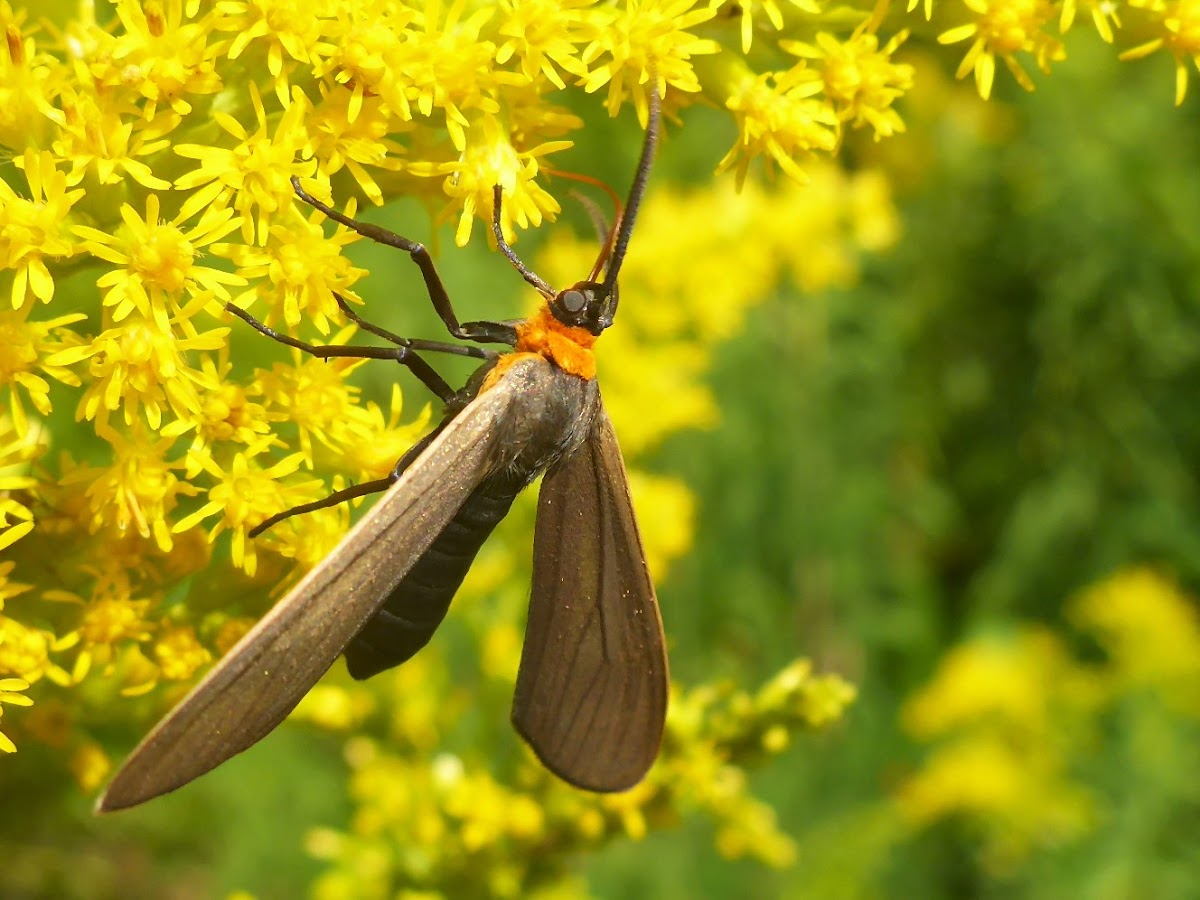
<point x="573" y="301"/>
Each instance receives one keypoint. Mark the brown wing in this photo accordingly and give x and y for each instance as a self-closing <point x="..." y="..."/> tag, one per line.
<point x="591" y="693"/>
<point x="253" y="688"/>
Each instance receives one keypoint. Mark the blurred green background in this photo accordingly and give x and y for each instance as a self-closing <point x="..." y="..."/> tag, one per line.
<point x="935" y="463"/>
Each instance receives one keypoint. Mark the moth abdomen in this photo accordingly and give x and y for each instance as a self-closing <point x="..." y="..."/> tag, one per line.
<point x="418" y="604"/>
<point x="544" y="426"/>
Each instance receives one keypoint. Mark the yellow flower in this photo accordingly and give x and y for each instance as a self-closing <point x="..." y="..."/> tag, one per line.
<point x="35" y="228"/>
<point x="9" y="533"/>
<point x="139" y="365"/>
<point x="751" y="830"/>
<point x="1150" y="630"/>
<point x="158" y="265"/>
<point x="101" y="133"/>
<point x="989" y="679"/>
<point x="334" y="708"/>
<point x="859" y="77"/>
<point x="647" y="39"/>
<point x="444" y="63"/>
<point x="90" y="765"/>
<point x="1010" y="715"/>
<point x="162" y="55"/>
<point x="369" y="445"/>
<point x="365" y="45"/>
<point x="27" y="80"/>
<point x="299" y="270"/>
<point x="25" y="347"/>
<point x="290" y="30"/>
<point x="226" y="411"/>
<point x="310" y="538"/>
<point x="139" y="490"/>
<point x="666" y="514"/>
<point x="179" y="654"/>
<point x="349" y="131"/>
<point x="244" y="496"/>
<point x="10" y="589"/>
<point x="748" y="9"/>
<point x="779" y="121"/>
<point x="1104" y="16"/>
<point x="316" y="397"/>
<point x="1020" y="794"/>
<point x="10" y="689"/>
<point x="26" y="652"/>
<point x="108" y="620"/>
<point x="1178" y="24"/>
<point x="541" y="34"/>
<point x="1004" y="28"/>
<point x="254" y="175"/>
<point x="230" y="632"/>
<point x="492" y="160"/>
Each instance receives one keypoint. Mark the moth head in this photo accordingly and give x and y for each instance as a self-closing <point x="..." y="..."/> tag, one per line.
<point x="586" y="304"/>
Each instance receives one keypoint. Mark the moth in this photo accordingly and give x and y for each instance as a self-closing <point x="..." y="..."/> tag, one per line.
<point x="591" y="693"/>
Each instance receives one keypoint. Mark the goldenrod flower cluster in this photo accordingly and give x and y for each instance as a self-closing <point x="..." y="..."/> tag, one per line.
<point x="1015" y="718"/>
<point x="439" y="823"/>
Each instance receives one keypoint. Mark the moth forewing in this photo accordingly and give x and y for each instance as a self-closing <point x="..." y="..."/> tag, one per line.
<point x="591" y="693"/>
<point x="253" y="688"/>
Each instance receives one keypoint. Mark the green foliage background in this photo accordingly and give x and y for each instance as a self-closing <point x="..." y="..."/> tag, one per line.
<point x="1000" y="415"/>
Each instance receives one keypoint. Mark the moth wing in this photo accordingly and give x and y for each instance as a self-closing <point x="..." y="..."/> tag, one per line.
<point x="591" y="695"/>
<point x="253" y="688"/>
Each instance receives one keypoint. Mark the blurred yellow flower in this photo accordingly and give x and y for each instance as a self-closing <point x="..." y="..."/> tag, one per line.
<point x="1007" y="712"/>
<point x="1015" y="716"/>
<point x="27" y="652"/>
<point x="1005" y="28"/>
<point x="10" y="692"/>
<point x="1176" y="25"/>
<point x="1151" y="632"/>
<point x="859" y="77"/>
<point x="1020" y="796"/>
<point x="1001" y="680"/>
<point x="179" y="653"/>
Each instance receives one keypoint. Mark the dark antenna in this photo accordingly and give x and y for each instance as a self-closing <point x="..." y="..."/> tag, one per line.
<point x="635" y="192"/>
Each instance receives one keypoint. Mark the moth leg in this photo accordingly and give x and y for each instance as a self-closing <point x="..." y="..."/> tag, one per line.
<point x="356" y="490"/>
<point x="350" y="493"/>
<point x="418" y="343"/>
<point x="480" y="332"/>
<point x="401" y="353"/>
